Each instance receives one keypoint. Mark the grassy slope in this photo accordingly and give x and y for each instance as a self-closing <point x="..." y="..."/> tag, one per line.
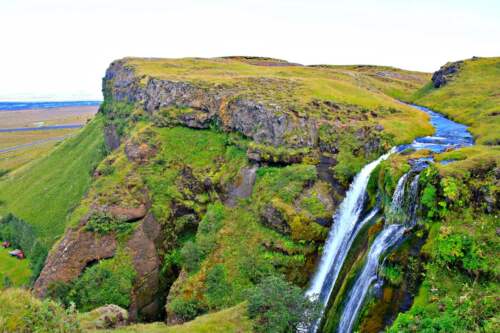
<point x="472" y="98"/>
<point x="226" y="321"/>
<point x="44" y="191"/>
<point x="16" y="270"/>
<point x="295" y="86"/>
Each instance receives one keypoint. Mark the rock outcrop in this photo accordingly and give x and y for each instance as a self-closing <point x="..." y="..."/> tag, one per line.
<point x="446" y="73"/>
<point x="201" y="106"/>
<point x="80" y="249"/>
<point x="105" y="317"/>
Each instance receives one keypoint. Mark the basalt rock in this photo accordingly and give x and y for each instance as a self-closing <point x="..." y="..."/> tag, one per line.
<point x="202" y="106"/>
<point x="446" y="73"/>
<point x="79" y="249"/>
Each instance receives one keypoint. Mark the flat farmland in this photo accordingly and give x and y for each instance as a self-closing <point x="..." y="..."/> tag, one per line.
<point x="20" y="147"/>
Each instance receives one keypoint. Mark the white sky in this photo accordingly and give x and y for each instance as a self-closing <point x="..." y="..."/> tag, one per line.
<point x="61" y="48"/>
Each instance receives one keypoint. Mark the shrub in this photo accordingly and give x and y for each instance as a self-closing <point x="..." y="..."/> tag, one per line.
<point x="191" y="256"/>
<point x="218" y="290"/>
<point x="462" y="251"/>
<point x="104" y="223"/>
<point x="108" y="282"/>
<point x="278" y="306"/>
<point x="21" y="312"/>
<point x="186" y="309"/>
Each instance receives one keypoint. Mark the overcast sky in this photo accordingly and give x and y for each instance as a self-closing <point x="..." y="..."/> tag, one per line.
<point x="61" y="48"/>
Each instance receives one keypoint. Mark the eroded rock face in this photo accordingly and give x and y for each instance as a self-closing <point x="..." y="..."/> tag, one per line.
<point x="72" y="255"/>
<point x="79" y="248"/>
<point x="243" y="185"/>
<point x="266" y="124"/>
<point x="446" y="73"/>
<point x="147" y="295"/>
<point x="111" y="137"/>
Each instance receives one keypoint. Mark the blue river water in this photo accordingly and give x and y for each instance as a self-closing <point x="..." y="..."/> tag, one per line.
<point x="16" y="106"/>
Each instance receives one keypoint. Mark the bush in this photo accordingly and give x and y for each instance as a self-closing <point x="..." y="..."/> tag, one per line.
<point x="278" y="306"/>
<point x="21" y="312"/>
<point x="108" y="282"/>
<point x="186" y="309"/>
<point x="191" y="256"/>
<point x="104" y="223"/>
<point x="218" y="289"/>
<point x="461" y="251"/>
<point x="22" y="235"/>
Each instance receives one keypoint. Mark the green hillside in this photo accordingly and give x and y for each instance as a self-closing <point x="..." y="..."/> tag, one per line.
<point x="43" y="192"/>
<point x="472" y="97"/>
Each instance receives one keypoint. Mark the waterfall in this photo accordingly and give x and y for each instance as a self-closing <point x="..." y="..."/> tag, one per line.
<point x="401" y="214"/>
<point x="346" y="223"/>
<point x="406" y="206"/>
<point x="385" y="239"/>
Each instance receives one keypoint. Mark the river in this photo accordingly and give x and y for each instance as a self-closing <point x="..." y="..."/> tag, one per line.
<point x="348" y="220"/>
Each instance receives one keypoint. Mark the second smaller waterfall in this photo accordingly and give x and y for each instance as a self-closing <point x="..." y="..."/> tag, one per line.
<point x="386" y="239"/>
<point x="402" y="213"/>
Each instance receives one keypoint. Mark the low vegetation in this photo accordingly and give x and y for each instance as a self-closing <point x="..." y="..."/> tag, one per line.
<point x="21" y="312"/>
<point x="471" y="98"/>
<point x="44" y="193"/>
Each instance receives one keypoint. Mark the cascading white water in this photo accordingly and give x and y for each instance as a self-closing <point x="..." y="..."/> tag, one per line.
<point x="346" y="223"/>
<point x="390" y="235"/>
<point x="384" y="240"/>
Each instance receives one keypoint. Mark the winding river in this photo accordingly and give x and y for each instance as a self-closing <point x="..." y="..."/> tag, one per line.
<point x="348" y="221"/>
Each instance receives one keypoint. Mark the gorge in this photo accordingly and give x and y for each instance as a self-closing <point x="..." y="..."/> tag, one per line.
<point x="247" y="194"/>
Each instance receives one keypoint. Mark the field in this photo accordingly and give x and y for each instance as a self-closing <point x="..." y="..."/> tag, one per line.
<point x="43" y="193"/>
<point x="17" y="271"/>
<point x="30" y="145"/>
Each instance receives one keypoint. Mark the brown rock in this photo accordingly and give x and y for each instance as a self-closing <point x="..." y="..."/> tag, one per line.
<point x="71" y="255"/>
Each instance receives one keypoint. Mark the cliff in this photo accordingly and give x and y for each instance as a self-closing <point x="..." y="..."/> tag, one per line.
<point x="220" y="172"/>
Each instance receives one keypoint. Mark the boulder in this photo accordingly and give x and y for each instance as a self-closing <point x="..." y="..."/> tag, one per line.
<point x="446" y="73"/>
<point x="105" y="317"/>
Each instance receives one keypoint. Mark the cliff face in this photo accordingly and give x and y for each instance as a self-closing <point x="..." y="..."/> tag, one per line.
<point x="266" y="124"/>
<point x="212" y="179"/>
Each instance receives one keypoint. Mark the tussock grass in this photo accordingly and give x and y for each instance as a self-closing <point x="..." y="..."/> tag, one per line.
<point x="230" y="320"/>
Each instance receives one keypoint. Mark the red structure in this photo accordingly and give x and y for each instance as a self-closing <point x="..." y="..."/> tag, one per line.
<point x="19" y="254"/>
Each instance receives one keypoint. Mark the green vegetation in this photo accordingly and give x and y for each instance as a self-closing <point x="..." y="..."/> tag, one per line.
<point x="43" y="193"/>
<point x="13" y="272"/>
<point x="107" y="282"/>
<point x="459" y="289"/>
<point x="21" y="312"/>
<point x="471" y="98"/>
<point x="233" y="319"/>
<point x="22" y="236"/>
<point x="278" y="306"/>
<point x="297" y="88"/>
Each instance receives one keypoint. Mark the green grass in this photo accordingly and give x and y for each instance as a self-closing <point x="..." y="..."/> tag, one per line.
<point x="295" y="87"/>
<point x="230" y="320"/>
<point x="44" y="191"/>
<point x="471" y="98"/>
<point x="17" y="271"/>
